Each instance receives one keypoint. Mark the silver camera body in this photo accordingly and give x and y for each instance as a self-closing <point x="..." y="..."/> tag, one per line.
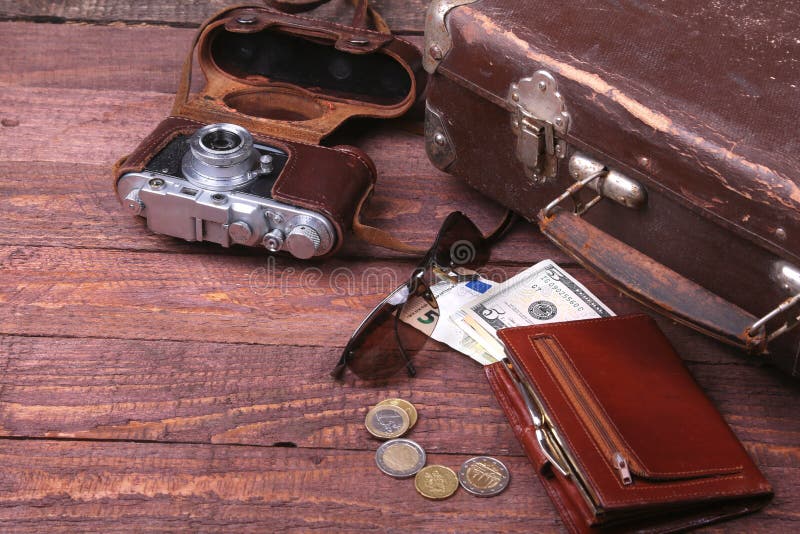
<point x="216" y="186"/>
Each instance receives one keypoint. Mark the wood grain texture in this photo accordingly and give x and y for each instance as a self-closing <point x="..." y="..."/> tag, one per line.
<point x="54" y="485"/>
<point x="164" y="296"/>
<point x="150" y="384"/>
<point x="126" y="58"/>
<point x="403" y="16"/>
<point x="261" y="394"/>
<point x="144" y="487"/>
<point x="94" y="117"/>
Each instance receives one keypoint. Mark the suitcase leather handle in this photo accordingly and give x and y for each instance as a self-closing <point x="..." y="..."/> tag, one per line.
<point x="648" y="281"/>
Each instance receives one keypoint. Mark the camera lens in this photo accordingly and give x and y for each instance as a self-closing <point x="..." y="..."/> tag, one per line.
<point x="221" y="157"/>
<point x="220" y="140"/>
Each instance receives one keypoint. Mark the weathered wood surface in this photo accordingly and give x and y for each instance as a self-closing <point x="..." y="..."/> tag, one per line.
<point x="403" y="16"/>
<point x="151" y="384"/>
<point x="200" y="487"/>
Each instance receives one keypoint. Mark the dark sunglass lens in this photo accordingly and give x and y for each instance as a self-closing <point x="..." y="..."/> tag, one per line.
<point x="377" y="355"/>
<point x="460" y="243"/>
<point x="389" y="343"/>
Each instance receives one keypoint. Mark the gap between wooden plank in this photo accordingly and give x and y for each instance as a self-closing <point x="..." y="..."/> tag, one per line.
<point x="221" y="393"/>
<point x="220" y="486"/>
<point x="403" y="16"/>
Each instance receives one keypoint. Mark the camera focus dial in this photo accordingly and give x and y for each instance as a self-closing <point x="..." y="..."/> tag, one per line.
<point x="302" y="242"/>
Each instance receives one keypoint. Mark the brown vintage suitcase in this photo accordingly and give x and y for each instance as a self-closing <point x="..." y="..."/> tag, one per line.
<point x="674" y="126"/>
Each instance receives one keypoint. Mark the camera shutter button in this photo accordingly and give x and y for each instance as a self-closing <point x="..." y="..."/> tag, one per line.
<point x="303" y="242"/>
<point x="273" y="240"/>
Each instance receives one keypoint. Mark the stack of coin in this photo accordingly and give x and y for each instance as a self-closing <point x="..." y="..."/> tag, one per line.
<point x="401" y="458"/>
<point x="391" y="418"/>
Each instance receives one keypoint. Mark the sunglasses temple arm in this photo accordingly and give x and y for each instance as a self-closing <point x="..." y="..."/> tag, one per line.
<point x="340" y="365"/>
<point x="412" y="371"/>
<point x="505" y="225"/>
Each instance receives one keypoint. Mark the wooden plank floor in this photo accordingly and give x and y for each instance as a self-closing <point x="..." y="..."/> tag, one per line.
<point x="152" y="384"/>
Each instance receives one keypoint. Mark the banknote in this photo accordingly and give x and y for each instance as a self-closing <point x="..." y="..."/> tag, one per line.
<point x="480" y="338"/>
<point x="542" y="293"/>
<point x="450" y="298"/>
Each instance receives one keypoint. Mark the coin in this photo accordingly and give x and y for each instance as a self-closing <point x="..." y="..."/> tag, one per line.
<point x="400" y="458"/>
<point x="484" y="476"/>
<point x="436" y="482"/>
<point x="406" y="406"/>
<point x="387" y="422"/>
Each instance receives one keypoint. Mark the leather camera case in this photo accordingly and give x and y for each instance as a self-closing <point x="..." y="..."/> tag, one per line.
<point x="291" y="81"/>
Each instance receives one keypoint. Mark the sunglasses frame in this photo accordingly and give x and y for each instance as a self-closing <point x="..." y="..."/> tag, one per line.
<point x="392" y="304"/>
<point x="417" y="286"/>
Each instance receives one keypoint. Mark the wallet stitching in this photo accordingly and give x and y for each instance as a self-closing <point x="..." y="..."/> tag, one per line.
<point x="521" y="430"/>
<point x="711" y="471"/>
<point x="631" y="450"/>
<point x="567" y="515"/>
<point x="505" y="403"/>
<point x="572" y="409"/>
<point x="515" y="349"/>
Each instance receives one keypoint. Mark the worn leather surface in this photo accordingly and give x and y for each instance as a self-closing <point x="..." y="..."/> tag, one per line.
<point x="693" y="102"/>
<point x="331" y="181"/>
<point x="363" y="12"/>
<point x="213" y="103"/>
<point x="702" y="90"/>
<point x="649" y="280"/>
<point x="688" y="467"/>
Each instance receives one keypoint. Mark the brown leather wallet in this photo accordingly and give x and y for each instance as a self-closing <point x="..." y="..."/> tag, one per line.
<point x="620" y="434"/>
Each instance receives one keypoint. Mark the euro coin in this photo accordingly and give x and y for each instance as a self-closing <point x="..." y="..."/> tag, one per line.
<point x="387" y="422"/>
<point x="406" y="406"/>
<point x="484" y="476"/>
<point x="400" y="458"/>
<point x="436" y="482"/>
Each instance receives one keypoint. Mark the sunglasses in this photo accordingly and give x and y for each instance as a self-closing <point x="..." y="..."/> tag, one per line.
<point x="385" y="342"/>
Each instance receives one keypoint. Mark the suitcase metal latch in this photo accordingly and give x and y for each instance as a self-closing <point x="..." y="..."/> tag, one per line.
<point x="787" y="311"/>
<point x="540" y="120"/>
<point x="607" y="183"/>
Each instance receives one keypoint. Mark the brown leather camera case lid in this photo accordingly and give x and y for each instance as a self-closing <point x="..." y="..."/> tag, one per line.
<point x="617" y="383"/>
<point x="295" y="77"/>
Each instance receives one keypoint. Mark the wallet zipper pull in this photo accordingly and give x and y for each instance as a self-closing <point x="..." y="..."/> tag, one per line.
<point x="622" y="465"/>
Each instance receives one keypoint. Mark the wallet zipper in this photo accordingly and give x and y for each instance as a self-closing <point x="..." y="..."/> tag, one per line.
<point x="590" y="414"/>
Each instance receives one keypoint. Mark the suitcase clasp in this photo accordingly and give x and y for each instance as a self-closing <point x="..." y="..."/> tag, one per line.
<point x="789" y="277"/>
<point x="540" y="120"/>
<point x="607" y="183"/>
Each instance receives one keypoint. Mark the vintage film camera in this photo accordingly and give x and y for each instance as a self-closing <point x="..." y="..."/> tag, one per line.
<point x="216" y="185"/>
<point x="241" y="162"/>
